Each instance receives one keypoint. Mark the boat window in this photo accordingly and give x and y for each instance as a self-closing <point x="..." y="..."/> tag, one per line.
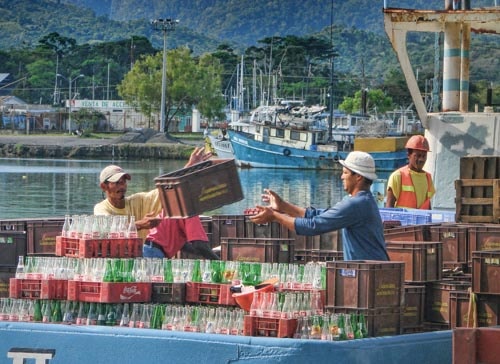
<point x="257" y="128"/>
<point x="295" y="135"/>
<point x="280" y="133"/>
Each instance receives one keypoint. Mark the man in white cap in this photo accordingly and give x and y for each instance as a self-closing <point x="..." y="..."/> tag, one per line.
<point x="146" y="207"/>
<point x="357" y="214"/>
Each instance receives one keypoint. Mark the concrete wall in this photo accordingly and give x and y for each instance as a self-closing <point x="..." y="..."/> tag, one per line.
<point x="96" y="344"/>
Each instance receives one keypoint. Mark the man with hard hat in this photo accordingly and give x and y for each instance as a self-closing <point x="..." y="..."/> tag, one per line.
<point x="410" y="186"/>
<point x="357" y="215"/>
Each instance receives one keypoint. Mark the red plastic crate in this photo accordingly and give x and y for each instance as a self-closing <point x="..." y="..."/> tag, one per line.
<point x="269" y="327"/>
<point x="479" y="345"/>
<point x="379" y="321"/>
<point x="365" y="284"/>
<point x="412" y="315"/>
<point x="423" y="259"/>
<point x="46" y="289"/>
<point x="486" y="272"/>
<point x="455" y="242"/>
<point x="306" y="256"/>
<point x="209" y="293"/>
<point x="257" y="250"/>
<point x="105" y="292"/>
<point x="487" y="310"/>
<point x="104" y="248"/>
<point x="438" y="300"/>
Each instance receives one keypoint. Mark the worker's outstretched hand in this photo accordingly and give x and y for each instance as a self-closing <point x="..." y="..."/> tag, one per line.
<point x="198" y="155"/>
<point x="273" y="199"/>
<point x="265" y="214"/>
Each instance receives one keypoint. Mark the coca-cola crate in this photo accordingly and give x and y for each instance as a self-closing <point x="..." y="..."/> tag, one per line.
<point x="210" y="293"/>
<point x="269" y="327"/>
<point x="477" y="345"/>
<point x="163" y="292"/>
<point x="306" y="256"/>
<point x="455" y="242"/>
<point x="408" y="233"/>
<point x="486" y="310"/>
<point x="486" y="272"/>
<point x="379" y="321"/>
<point x="478" y="200"/>
<point x="438" y="300"/>
<point x="12" y="245"/>
<point x="42" y="235"/>
<point x="5" y="275"/>
<point x="106" y="292"/>
<point x="412" y="313"/>
<point x="231" y="226"/>
<point x="104" y="248"/>
<point x="483" y="237"/>
<point x="365" y="284"/>
<point x="202" y="187"/>
<point x="46" y="289"/>
<point x="423" y="259"/>
<point x="264" y="250"/>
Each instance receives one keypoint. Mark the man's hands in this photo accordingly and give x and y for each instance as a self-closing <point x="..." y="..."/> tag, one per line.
<point x="266" y="214"/>
<point x="147" y="222"/>
<point x="198" y="155"/>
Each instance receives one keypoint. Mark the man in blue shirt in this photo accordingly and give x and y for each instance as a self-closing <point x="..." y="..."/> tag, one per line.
<point x="357" y="214"/>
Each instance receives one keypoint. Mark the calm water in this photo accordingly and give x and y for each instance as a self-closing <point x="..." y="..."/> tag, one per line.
<point x="31" y="188"/>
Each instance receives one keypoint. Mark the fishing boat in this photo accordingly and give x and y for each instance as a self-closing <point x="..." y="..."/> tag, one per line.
<point x="220" y="143"/>
<point x="303" y="141"/>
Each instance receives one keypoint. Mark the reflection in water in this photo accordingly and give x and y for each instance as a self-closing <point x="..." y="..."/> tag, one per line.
<point x="31" y="188"/>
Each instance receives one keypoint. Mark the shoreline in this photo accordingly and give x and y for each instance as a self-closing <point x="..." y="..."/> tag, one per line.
<point x="74" y="147"/>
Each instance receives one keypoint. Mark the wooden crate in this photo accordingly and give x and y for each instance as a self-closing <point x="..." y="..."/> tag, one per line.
<point x="478" y="200"/>
<point x="480" y="167"/>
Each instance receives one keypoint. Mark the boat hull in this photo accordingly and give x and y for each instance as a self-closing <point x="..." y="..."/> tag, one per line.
<point x="250" y="153"/>
<point x="222" y="148"/>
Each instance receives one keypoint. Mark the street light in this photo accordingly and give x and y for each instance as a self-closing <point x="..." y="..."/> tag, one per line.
<point x="69" y="96"/>
<point x="164" y="25"/>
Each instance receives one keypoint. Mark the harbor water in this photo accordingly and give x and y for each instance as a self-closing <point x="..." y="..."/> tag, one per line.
<point x="33" y="188"/>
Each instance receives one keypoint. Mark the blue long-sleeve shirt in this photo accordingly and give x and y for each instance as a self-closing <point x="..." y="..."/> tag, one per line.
<point x="358" y="217"/>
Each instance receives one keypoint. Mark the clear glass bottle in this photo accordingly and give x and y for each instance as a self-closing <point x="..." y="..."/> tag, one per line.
<point x="66" y="227"/>
<point x="20" y="273"/>
<point x="132" y="229"/>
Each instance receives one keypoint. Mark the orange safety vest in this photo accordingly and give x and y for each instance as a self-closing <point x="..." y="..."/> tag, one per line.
<point x="407" y="196"/>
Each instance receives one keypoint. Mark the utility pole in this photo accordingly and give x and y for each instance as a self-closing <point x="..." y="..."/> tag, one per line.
<point x="164" y="25"/>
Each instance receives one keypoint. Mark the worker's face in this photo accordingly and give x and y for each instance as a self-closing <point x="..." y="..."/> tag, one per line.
<point x="416" y="159"/>
<point x="115" y="190"/>
<point x="349" y="180"/>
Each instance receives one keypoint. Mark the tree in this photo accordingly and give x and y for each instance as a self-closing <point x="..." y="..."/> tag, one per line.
<point x="375" y="100"/>
<point x="190" y="82"/>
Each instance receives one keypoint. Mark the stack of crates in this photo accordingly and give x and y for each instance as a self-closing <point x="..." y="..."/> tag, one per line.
<point x="273" y="242"/>
<point x="12" y="245"/>
<point x="372" y="288"/>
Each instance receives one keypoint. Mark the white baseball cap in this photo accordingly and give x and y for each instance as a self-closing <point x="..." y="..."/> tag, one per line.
<point x="361" y="163"/>
<point x="113" y="173"/>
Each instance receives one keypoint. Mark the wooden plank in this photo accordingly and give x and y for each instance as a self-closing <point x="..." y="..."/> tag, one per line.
<point x="478" y="200"/>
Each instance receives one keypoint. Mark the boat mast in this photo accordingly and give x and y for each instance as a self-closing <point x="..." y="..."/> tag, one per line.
<point x="332" y="58"/>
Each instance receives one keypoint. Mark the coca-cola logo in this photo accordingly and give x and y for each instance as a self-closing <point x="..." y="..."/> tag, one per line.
<point x="129" y="292"/>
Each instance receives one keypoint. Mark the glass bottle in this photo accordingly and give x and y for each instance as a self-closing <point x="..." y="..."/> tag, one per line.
<point x="81" y="318"/>
<point x="334" y="327"/>
<point x="196" y="273"/>
<point x="341" y="327"/>
<point x="57" y="315"/>
<point x="108" y="273"/>
<point x="68" y="313"/>
<point x="66" y="226"/>
<point x="168" y="275"/>
<point x="325" y="329"/>
<point x="92" y="314"/>
<point x="349" y="333"/>
<point x="132" y="229"/>
<point x="47" y="313"/>
<point x="101" y="316"/>
<point x="110" y="314"/>
<point x="315" y="327"/>
<point x="134" y="315"/>
<point x="37" y="313"/>
<point x="20" y="273"/>
<point x="125" y="317"/>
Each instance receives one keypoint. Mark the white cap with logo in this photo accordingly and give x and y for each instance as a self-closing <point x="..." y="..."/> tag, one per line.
<point x="361" y="163"/>
<point x="112" y="173"/>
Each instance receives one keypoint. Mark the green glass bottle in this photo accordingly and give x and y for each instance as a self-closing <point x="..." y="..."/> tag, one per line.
<point x="196" y="274"/>
<point x="37" y="312"/>
<point x="168" y="275"/>
<point x="108" y="272"/>
<point x="342" y="330"/>
<point x="57" y="315"/>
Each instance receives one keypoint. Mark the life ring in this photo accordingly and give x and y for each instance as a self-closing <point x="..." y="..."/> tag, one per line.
<point x="286" y="152"/>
